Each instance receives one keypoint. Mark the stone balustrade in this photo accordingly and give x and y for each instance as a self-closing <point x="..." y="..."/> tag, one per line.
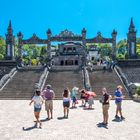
<point x="7" y="77"/>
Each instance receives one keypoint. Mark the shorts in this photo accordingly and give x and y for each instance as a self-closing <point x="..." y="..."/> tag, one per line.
<point x="90" y="101"/>
<point x="37" y="109"/>
<point x="48" y="105"/>
<point x="119" y="105"/>
<point x="74" y="99"/>
<point x="105" y="109"/>
<point x="66" y="104"/>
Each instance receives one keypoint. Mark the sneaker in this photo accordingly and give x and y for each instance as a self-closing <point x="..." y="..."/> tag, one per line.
<point x="40" y="125"/>
<point x="117" y="117"/>
<point x="35" y="125"/>
<point x="122" y="118"/>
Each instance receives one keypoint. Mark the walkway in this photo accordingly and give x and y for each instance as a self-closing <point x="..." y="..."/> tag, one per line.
<point x="81" y="125"/>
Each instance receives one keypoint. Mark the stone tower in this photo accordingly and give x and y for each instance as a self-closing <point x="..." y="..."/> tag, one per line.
<point x="114" y="35"/>
<point x="10" y="50"/>
<point x="131" y="41"/>
<point x="49" y="34"/>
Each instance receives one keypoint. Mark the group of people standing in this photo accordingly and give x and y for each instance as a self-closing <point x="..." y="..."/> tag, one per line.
<point x="86" y="96"/>
<point x="118" y="96"/>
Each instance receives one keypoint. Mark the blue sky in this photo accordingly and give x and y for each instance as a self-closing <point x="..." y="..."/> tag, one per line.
<point x="36" y="16"/>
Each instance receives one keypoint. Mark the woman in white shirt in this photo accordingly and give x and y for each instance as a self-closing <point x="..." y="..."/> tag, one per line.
<point x="66" y="102"/>
<point x="38" y="101"/>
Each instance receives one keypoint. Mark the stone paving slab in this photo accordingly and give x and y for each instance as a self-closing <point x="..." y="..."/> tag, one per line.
<point x="81" y="125"/>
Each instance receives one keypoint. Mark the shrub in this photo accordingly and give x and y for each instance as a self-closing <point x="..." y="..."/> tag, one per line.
<point x="121" y="56"/>
<point x="1" y="56"/>
<point x="138" y="90"/>
<point x="34" y="62"/>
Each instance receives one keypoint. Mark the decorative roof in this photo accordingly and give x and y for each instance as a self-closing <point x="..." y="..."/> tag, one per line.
<point x="99" y="39"/>
<point x="67" y="33"/>
<point x="34" y="40"/>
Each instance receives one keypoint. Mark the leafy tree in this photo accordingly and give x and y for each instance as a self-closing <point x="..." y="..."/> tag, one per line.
<point x="2" y="48"/>
<point x="43" y="55"/>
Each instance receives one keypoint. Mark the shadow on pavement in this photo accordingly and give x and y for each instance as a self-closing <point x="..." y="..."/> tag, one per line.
<point x="44" y="120"/>
<point x="85" y="108"/>
<point x="81" y="106"/>
<point x="117" y="120"/>
<point x="61" y="118"/>
<point x="73" y="107"/>
<point x="101" y="125"/>
<point x="29" y="128"/>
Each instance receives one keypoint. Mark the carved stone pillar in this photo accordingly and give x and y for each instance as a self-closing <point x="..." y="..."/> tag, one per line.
<point x="20" y="36"/>
<point x="84" y="58"/>
<point x="114" y="34"/>
<point x="49" y="34"/>
<point x="131" y="41"/>
<point x="10" y="42"/>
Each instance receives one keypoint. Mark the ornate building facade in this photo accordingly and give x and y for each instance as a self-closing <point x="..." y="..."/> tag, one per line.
<point x="69" y="53"/>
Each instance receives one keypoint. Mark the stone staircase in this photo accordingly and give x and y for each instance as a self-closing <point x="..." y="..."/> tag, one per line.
<point x="5" y="70"/>
<point x="63" y="79"/>
<point x="132" y="74"/>
<point x="22" y="84"/>
<point x="108" y="79"/>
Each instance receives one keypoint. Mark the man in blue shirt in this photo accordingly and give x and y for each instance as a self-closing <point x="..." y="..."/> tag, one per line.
<point x="118" y="100"/>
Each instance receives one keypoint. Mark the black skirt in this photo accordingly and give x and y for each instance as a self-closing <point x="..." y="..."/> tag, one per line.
<point x="66" y="104"/>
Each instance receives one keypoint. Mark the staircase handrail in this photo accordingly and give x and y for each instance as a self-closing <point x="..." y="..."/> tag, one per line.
<point x="7" y="77"/>
<point x="42" y="80"/>
<point x="86" y="79"/>
<point x="122" y="77"/>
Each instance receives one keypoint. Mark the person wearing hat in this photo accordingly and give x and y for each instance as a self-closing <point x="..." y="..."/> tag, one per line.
<point x="48" y="95"/>
<point x="118" y="100"/>
<point x="38" y="101"/>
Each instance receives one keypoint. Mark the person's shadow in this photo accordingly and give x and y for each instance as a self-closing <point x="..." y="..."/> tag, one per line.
<point x="86" y="108"/>
<point x="29" y="128"/>
<point x="101" y="125"/>
<point x="117" y="120"/>
<point x="62" y="118"/>
<point x="44" y="120"/>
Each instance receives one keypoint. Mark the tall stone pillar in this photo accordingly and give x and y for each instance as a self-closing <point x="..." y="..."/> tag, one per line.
<point x="84" y="45"/>
<point x="10" y="42"/>
<point x="49" y="34"/>
<point x="131" y="41"/>
<point x="114" y="34"/>
<point x="20" y="36"/>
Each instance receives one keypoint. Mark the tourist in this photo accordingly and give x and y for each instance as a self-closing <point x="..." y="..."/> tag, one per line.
<point x="66" y="102"/>
<point x="118" y="100"/>
<point x="48" y="95"/>
<point x="105" y="105"/>
<point x="83" y="97"/>
<point x="38" y="101"/>
<point x="74" y="96"/>
<point x="90" y="95"/>
<point x="87" y="97"/>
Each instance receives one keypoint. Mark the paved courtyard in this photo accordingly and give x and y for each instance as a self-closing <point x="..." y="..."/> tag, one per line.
<point x="81" y="125"/>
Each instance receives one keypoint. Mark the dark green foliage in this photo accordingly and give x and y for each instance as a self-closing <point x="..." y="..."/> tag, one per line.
<point x="138" y="90"/>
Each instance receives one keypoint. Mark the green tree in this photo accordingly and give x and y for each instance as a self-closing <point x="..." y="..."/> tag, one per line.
<point x="2" y="48"/>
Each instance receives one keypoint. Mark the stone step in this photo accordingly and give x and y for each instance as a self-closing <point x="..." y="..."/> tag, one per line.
<point x="22" y="84"/>
<point x="63" y="79"/>
<point x="109" y="80"/>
